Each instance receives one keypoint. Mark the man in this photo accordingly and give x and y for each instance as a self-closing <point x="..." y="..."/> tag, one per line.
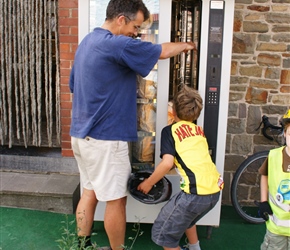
<point x="103" y="83"/>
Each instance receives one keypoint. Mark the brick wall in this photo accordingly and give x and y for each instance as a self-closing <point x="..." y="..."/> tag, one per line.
<point x="68" y="41"/>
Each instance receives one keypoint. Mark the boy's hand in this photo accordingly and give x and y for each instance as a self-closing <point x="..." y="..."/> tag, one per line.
<point x="265" y="210"/>
<point x="144" y="187"/>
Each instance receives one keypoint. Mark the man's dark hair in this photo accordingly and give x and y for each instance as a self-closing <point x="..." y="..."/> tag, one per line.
<point x="128" y="8"/>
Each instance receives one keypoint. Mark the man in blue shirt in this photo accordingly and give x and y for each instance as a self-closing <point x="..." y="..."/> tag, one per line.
<point x="103" y="83"/>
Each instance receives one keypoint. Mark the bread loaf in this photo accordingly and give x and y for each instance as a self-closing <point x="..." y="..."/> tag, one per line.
<point x="143" y="149"/>
<point x="146" y="117"/>
<point x="146" y="88"/>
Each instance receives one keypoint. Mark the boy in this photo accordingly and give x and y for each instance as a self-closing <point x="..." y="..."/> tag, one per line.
<point x="184" y="145"/>
<point x="275" y="194"/>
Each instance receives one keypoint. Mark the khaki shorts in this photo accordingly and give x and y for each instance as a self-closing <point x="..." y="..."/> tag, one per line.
<point x="104" y="166"/>
<point x="275" y="241"/>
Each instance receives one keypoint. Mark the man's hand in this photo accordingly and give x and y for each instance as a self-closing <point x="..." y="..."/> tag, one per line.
<point x="265" y="210"/>
<point x="189" y="46"/>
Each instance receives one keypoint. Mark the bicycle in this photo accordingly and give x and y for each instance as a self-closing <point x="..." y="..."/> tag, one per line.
<point x="245" y="187"/>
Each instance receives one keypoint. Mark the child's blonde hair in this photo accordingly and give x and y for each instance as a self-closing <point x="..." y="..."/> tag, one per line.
<point x="187" y="104"/>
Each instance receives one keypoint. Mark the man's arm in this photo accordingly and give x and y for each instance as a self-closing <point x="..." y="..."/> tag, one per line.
<point x="173" y="49"/>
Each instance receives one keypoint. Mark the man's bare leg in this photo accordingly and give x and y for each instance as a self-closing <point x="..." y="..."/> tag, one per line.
<point x="85" y="212"/>
<point x="115" y="222"/>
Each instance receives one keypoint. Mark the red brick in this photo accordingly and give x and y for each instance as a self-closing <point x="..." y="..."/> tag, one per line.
<point x="67" y="153"/>
<point x="63" y="13"/>
<point x="65" y="120"/>
<point x="65" y="129"/>
<point x="64" y="30"/>
<point x="65" y="105"/>
<point x="65" y="97"/>
<point x="74" y="47"/>
<point x="67" y="55"/>
<point x="63" y="21"/>
<point x="64" y="47"/>
<point x="65" y="113"/>
<point x="65" y="72"/>
<point x="66" y="144"/>
<point x="64" y="88"/>
<point x="64" y="80"/>
<point x="65" y="64"/>
<point x="68" y="39"/>
<point x="74" y="30"/>
<point x="68" y="4"/>
<point x="74" y="13"/>
<point x="65" y="137"/>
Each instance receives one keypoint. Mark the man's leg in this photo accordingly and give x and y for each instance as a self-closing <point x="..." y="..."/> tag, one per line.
<point x="85" y="212"/>
<point x="115" y="222"/>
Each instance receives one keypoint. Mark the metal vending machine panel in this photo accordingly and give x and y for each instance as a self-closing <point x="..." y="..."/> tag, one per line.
<point x="207" y="70"/>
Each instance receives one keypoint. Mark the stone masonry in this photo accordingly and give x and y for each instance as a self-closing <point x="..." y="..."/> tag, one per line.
<point x="260" y="78"/>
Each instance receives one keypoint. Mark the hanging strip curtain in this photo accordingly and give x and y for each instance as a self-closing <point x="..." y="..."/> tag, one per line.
<point x="29" y="73"/>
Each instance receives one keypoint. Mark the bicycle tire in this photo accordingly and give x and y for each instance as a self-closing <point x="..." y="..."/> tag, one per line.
<point x="245" y="188"/>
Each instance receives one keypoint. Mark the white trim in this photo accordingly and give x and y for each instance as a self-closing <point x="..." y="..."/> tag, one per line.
<point x="83" y="19"/>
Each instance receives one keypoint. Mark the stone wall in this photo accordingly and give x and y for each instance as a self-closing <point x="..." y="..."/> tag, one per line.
<point x="260" y="78"/>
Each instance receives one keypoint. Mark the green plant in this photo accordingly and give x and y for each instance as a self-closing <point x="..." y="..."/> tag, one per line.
<point x="69" y="239"/>
<point x="138" y="232"/>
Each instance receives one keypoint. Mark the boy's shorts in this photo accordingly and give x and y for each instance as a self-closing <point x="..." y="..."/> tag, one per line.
<point x="104" y="166"/>
<point x="181" y="212"/>
<point x="275" y="241"/>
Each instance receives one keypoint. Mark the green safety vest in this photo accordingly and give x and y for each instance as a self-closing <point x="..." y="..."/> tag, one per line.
<point x="279" y="194"/>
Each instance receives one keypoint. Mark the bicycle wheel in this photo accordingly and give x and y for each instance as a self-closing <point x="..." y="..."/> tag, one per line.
<point x="245" y="188"/>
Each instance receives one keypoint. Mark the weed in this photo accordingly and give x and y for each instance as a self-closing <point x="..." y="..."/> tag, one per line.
<point x="138" y="232"/>
<point x="69" y="239"/>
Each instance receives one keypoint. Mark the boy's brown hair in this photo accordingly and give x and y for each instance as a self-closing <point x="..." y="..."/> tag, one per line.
<point x="187" y="104"/>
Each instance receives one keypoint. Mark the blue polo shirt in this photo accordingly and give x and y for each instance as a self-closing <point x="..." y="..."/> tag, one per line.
<point x="103" y="83"/>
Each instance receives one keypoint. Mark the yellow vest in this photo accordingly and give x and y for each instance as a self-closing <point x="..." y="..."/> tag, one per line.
<point x="279" y="194"/>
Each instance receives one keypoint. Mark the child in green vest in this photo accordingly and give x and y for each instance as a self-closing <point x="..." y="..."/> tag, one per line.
<point x="275" y="194"/>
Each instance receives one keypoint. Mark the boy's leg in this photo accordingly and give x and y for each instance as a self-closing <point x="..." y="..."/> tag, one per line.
<point x="168" y="248"/>
<point x="192" y="237"/>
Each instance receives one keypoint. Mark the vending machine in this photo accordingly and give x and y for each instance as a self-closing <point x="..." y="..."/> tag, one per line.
<point x="209" y="24"/>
